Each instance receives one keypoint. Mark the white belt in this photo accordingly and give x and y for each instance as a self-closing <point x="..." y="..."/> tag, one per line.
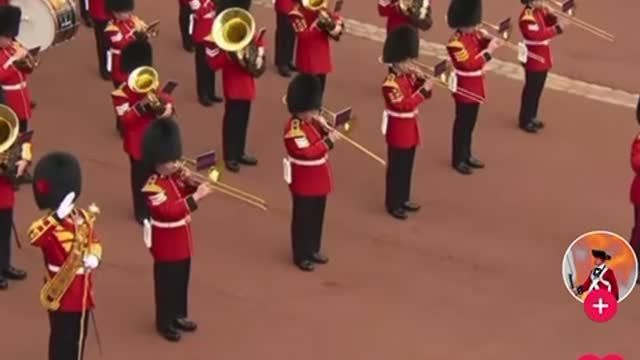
<point x="532" y="42"/>
<point x="307" y="162"/>
<point x="20" y="86"/>
<point x="55" y="269"/>
<point x="469" y="73"/>
<point x="114" y="51"/>
<point x="169" y="225"/>
<point x="404" y="115"/>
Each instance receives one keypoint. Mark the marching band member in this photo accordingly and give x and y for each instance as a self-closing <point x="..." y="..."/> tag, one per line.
<point x="185" y="21"/>
<point x="396" y="17"/>
<point x="538" y="26"/>
<point x="66" y="235"/>
<point x="635" y="190"/>
<point x="100" y="18"/>
<point x="307" y="140"/>
<point x="204" y="11"/>
<point x="313" y="50"/>
<point x="285" y="37"/>
<point x="171" y="200"/>
<point x="403" y="91"/>
<point x="7" y="203"/>
<point x="600" y="277"/>
<point x="135" y="117"/>
<point x="470" y="50"/>
<point x="238" y="83"/>
<point x="13" y="68"/>
<point x="123" y="29"/>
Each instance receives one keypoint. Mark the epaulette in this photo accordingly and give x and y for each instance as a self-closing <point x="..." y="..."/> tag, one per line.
<point x="527" y="15"/>
<point x="454" y="42"/>
<point x="111" y="27"/>
<point x="39" y="226"/>
<point x="151" y="186"/>
<point x="119" y="92"/>
<point x="460" y="53"/>
<point x="390" y="81"/>
<point x="294" y="130"/>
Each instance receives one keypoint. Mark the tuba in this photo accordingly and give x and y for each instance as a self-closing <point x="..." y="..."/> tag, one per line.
<point x="146" y="80"/>
<point x="325" y="21"/>
<point x="418" y="11"/>
<point x="234" y="31"/>
<point x="11" y="147"/>
<point x="55" y="288"/>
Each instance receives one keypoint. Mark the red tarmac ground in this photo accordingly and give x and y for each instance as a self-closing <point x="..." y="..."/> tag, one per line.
<point x="475" y="275"/>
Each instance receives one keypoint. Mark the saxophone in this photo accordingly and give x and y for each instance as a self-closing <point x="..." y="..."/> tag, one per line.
<point x="55" y="288"/>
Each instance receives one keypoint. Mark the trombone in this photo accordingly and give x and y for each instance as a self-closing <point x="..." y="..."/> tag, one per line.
<point x="503" y="31"/>
<point x="444" y="77"/>
<point x="333" y="115"/>
<point x="213" y="179"/>
<point x="566" y="10"/>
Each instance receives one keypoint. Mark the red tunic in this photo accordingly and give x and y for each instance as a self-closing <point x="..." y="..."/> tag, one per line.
<point x="120" y="34"/>
<point x="284" y="6"/>
<point x="14" y="84"/>
<point x="204" y="11"/>
<point x="400" y="124"/>
<point x="170" y="206"/>
<point x="606" y="280"/>
<point x="55" y="240"/>
<point x="237" y="82"/>
<point x="538" y="28"/>
<point x="395" y="18"/>
<point x="98" y="10"/>
<point x="469" y="56"/>
<point x="7" y="192"/>
<point x="307" y="169"/>
<point x="635" y="166"/>
<point x="313" y="51"/>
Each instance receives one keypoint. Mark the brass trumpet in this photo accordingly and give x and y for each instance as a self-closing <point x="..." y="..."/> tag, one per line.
<point x="146" y="80"/>
<point x="29" y="62"/>
<point x="213" y="178"/>
<point x="148" y="31"/>
<point x="418" y="11"/>
<point x="325" y="21"/>
<point x="566" y="10"/>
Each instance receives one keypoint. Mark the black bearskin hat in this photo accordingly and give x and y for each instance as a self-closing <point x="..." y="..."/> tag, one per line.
<point x="138" y="53"/>
<point x="161" y="142"/>
<point x="120" y="5"/>
<point x="56" y="175"/>
<point x="600" y="254"/>
<point x="304" y="93"/>
<point x="464" y="13"/>
<point x="401" y="44"/>
<point x="222" y="5"/>
<point x="10" y="18"/>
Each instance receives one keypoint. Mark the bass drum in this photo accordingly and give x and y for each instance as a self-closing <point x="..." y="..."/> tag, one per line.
<point x="47" y="23"/>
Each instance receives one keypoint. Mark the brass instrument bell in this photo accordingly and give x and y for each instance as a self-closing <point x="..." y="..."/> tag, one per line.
<point x="233" y="29"/>
<point x="146" y="80"/>
<point x="9" y="128"/>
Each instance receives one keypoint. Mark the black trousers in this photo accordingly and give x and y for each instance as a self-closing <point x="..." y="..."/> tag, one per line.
<point x="306" y="226"/>
<point x="531" y="93"/>
<point x="65" y="335"/>
<point x="6" y="226"/>
<point x="171" y="284"/>
<point x="84" y="9"/>
<point x="463" y="125"/>
<point x="184" y="18"/>
<point x="101" y="45"/>
<point x="399" y="172"/>
<point x="139" y="176"/>
<point x="235" y="124"/>
<point x="285" y="40"/>
<point x="205" y="76"/>
<point x="23" y="126"/>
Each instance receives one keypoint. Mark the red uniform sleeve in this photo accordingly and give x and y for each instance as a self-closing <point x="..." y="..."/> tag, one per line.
<point x="532" y="30"/>
<point x="550" y="19"/>
<point x="5" y="68"/>
<point x="386" y="8"/>
<point x="216" y="57"/>
<point x="198" y="9"/>
<point x="172" y="210"/>
<point x="635" y="155"/>
<point x="466" y="60"/>
<point x="41" y="231"/>
<point x="300" y="25"/>
<point x="585" y="286"/>
<point x="611" y="278"/>
<point x="397" y="101"/>
<point x="116" y="38"/>
<point x="298" y="145"/>
<point x="125" y="110"/>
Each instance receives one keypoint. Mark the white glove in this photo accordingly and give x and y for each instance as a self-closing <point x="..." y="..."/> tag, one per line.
<point x="65" y="207"/>
<point x="91" y="262"/>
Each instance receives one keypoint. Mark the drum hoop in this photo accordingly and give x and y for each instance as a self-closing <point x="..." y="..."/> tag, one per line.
<point x="54" y="13"/>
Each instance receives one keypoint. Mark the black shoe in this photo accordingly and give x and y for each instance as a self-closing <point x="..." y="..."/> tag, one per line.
<point x="463" y="168"/>
<point x="104" y="75"/>
<point x="187" y="47"/>
<point x="305" y="265"/>
<point x="537" y="123"/>
<point x="411" y="206"/>
<point x="4" y="284"/>
<point x="400" y="214"/>
<point x="216" y="99"/>
<point x="248" y="160"/>
<point x="475" y="163"/>
<point x="33" y="104"/>
<point x="185" y="324"/>
<point x="284" y="71"/>
<point x="12" y="273"/>
<point x="170" y="333"/>
<point x="292" y="67"/>
<point x="529" y="127"/>
<point x="205" y="102"/>
<point x="232" y="166"/>
<point x="319" y="258"/>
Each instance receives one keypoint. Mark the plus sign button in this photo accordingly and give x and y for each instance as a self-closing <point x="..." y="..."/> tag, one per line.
<point x="596" y="357"/>
<point x="600" y="306"/>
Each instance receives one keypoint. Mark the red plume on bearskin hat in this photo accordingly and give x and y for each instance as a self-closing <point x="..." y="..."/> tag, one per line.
<point x="120" y="5"/>
<point x="304" y="93"/>
<point x="137" y="54"/>
<point x="10" y="18"/>
<point x="56" y="175"/>
<point x="401" y="44"/>
<point x="464" y="13"/>
<point x="161" y="142"/>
